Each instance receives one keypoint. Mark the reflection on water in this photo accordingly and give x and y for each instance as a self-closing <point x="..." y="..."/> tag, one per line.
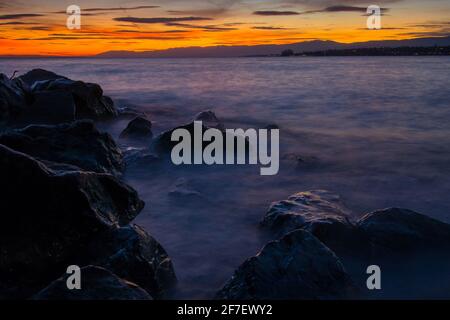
<point x="374" y="130"/>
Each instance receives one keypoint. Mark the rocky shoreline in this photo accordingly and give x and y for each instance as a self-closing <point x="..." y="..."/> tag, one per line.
<point x="64" y="203"/>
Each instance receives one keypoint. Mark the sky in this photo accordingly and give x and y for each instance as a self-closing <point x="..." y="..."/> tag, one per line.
<point x="36" y="27"/>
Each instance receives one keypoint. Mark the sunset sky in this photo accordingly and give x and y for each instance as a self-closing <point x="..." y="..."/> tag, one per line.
<point x="36" y="27"/>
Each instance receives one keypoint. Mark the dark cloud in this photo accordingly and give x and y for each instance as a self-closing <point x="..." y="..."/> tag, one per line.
<point x="160" y="19"/>
<point x="106" y="9"/>
<point x="275" y="13"/>
<point x="270" y="28"/>
<point x="342" y="8"/>
<point x="210" y="28"/>
<point x="19" y="16"/>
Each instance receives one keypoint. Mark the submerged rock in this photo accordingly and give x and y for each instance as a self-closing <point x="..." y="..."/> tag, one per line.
<point x="134" y="255"/>
<point x="138" y="128"/>
<point x="298" y="266"/>
<point x="96" y="284"/>
<point x="79" y="144"/>
<point x="50" y="216"/>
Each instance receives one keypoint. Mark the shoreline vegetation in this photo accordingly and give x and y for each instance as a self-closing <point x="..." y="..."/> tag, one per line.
<point x="65" y="202"/>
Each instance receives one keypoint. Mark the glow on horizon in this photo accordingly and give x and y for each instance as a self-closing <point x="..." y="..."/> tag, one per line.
<point x="39" y="27"/>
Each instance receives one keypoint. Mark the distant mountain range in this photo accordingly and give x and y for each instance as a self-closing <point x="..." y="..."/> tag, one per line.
<point x="267" y="50"/>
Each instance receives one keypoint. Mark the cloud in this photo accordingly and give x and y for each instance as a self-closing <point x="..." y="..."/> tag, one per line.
<point x="275" y="13"/>
<point x="342" y="8"/>
<point x="19" y="16"/>
<point x="160" y="20"/>
<point x="270" y="28"/>
<point x="111" y="9"/>
<point x="210" y="28"/>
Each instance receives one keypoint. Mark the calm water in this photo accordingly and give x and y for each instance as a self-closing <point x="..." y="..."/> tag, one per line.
<point x="374" y="130"/>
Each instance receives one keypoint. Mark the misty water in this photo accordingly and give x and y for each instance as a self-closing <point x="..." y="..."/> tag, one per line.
<point x="374" y="130"/>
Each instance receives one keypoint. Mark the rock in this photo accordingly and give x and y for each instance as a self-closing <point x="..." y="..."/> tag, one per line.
<point x="210" y="120"/>
<point x="298" y="266"/>
<point x="49" y="216"/>
<point x="136" y="157"/>
<point x="78" y="143"/>
<point x="128" y="112"/>
<point x="304" y="210"/>
<point x="134" y="255"/>
<point x="36" y="75"/>
<point x="51" y="107"/>
<point x="87" y="97"/>
<point x="183" y="191"/>
<point x="96" y="284"/>
<point x="395" y="231"/>
<point x="138" y="128"/>
<point x="13" y="98"/>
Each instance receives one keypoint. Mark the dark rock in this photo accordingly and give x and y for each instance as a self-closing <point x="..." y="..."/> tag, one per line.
<point x="128" y="112"/>
<point x="96" y="284"/>
<point x="36" y="75"/>
<point x="13" y="98"/>
<point x="134" y="255"/>
<point x="79" y="144"/>
<point x="51" y="107"/>
<point x="210" y="120"/>
<point x="136" y="157"/>
<point x="305" y="210"/>
<point x="183" y="191"/>
<point x="138" y="128"/>
<point x="394" y="231"/>
<point x="88" y="97"/>
<point x="298" y="266"/>
<point x="49" y="216"/>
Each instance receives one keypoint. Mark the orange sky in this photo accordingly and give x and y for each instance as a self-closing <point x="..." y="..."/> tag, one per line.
<point x="39" y="27"/>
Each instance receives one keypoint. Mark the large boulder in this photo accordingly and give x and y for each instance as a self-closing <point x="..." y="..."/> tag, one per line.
<point x="134" y="255"/>
<point x="48" y="216"/>
<point x="396" y="231"/>
<point x="209" y="119"/>
<point x="322" y="213"/>
<point x="138" y="128"/>
<point x="78" y="143"/>
<point x="96" y="284"/>
<point x="88" y="97"/>
<point x="298" y="266"/>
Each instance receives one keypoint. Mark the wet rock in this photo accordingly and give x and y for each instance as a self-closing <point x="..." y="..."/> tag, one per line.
<point x="13" y="98"/>
<point x="134" y="255"/>
<point x="298" y="266"/>
<point x="51" y="107"/>
<point x="306" y="210"/>
<point x="139" y="157"/>
<point x="396" y="230"/>
<point x="50" y="216"/>
<point x="183" y="191"/>
<point x="78" y="143"/>
<point x="138" y="128"/>
<point x="87" y="97"/>
<point x="210" y="120"/>
<point x="96" y="284"/>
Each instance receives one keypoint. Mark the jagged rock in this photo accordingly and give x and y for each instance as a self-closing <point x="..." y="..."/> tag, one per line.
<point x="13" y="98"/>
<point x="87" y="97"/>
<point x="395" y="230"/>
<point x="138" y="128"/>
<point x="298" y="266"/>
<point x="210" y="120"/>
<point x="78" y="143"/>
<point x="306" y="209"/>
<point x="134" y="255"/>
<point x="48" y="216"/>
<point x="96" y="284"/>
<point x="50" y="107"/>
